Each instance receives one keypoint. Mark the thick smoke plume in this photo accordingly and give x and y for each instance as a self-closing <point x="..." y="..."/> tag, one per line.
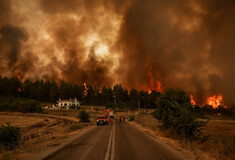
<point x="186" y="44"/>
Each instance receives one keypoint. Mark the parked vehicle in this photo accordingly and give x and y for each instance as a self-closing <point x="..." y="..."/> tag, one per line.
<point x="109" y="113"/>
<point x="108" y="119"/>
<point x="102" y="120"/>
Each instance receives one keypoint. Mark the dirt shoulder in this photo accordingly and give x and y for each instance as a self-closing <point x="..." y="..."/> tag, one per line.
<point x="217" y="141"/>
<point x="41" y="132"/>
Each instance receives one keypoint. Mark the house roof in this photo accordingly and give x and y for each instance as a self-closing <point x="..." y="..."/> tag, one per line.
<point x="65" y="100"/>
<point x="68" y="100"/>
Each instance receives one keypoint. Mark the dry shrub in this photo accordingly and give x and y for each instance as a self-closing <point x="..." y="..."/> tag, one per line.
<point x="75" y="127"/>
<point x="218" y="146"/>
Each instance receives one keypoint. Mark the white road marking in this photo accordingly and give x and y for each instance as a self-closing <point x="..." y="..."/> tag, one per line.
<point x="113" y="142"/>
<point x="109" y="145"/>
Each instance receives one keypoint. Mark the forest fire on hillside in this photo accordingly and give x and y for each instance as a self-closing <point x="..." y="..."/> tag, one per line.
<point x="215" y="100"/>
<point x="86" y="89"/>
<point x="154" y="84"/>
<point x="65" y="45"/>
<point x="193" y="102"/>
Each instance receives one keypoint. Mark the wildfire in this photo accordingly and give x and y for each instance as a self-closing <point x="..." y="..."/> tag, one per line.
<point x="153" y="85"/>
<point x="86" y="89"/>
<point x="193" y="102"/>
<point x="19" y="77"/>
<point x="215" y="100"/>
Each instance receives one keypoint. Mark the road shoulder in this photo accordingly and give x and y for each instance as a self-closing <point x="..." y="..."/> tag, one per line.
<point x="180" y="151"/>
<point x="49" y="151"/>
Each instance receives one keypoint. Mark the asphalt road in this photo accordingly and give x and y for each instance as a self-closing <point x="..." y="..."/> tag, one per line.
<point x="119" y="141"/>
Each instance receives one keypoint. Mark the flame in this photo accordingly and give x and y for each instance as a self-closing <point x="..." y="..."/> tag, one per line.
<point x="151" y="79"/>
<point x="159" y="86"/>
<point x="215" y="101"/>
<point x="193" y="102"/>
<point x="86" y="89"/>
<point x="19" y="77"/>
<point x="152" y="84"/>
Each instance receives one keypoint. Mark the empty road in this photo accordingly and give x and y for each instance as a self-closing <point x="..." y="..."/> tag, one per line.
<point x="116" y="141"/>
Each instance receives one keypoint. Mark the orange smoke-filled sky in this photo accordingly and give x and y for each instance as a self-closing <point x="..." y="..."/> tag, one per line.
<point x="186" y="44"/>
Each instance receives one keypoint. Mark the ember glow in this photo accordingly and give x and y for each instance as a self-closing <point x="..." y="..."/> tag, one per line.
<point x="193" y="102"/>
<point x="86" y="89"/>
<point x="183" y="44"/>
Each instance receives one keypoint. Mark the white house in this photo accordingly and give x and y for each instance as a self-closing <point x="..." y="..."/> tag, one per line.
<point x="66" y="104"/>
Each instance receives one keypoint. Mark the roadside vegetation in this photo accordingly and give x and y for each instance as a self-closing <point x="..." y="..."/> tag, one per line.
<point x="16" y="104"/>
<point x="175" y="112"/>
<point x="75" y="127"/>
<point x="84" y="116"/>
<point x="9" y="136"/>
<point x="131" y="118"/>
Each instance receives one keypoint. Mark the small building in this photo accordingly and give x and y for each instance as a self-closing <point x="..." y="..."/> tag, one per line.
<point x="67" y="104"/>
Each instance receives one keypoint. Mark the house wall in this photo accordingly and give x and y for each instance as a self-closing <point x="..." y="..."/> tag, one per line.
<point x="67" y="104"/>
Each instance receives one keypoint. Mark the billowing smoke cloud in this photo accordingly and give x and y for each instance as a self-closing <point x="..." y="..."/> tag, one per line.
<point x="183" y="43"/>
<point x="186" y="44"/>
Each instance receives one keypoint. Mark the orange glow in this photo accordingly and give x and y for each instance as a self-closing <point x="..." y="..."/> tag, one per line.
<point x="159" y="86"/>
<point x="215" y="101"/>
<point x="86" y="89"/>
<point x="153" y="86"/>
<point x="19" y="76"/>
<point x="193" y="102"/>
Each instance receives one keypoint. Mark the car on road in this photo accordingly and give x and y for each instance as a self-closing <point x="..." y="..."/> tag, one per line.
<point x="102" y="120"/>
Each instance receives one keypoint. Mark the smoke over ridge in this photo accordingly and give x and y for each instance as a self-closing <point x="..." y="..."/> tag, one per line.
<point x="183" y="43"/>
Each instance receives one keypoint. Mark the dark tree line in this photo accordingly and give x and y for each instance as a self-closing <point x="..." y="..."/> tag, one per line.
<point x="117" y="96"/>
<point x="50" y="91"/>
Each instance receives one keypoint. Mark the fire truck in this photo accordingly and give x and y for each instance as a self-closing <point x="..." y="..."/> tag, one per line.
<point x="108" y="113"/>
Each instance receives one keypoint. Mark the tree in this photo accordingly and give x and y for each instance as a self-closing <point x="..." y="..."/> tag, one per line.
<point x="134" y="99"/>
<point x="174" y="111"/>
<point x="53" y="92"/>
<point x="26" y="88"/>
<point x="90" y="97"/>
<point x="43" y="91"/>
<point x="84" y="116"/>
<point x="9" y="136"/>
<point x="78" y="92"/>
<point x="65" y="90"/>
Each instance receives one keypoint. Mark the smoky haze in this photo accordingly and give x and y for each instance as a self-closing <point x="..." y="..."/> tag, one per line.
<point x="186" y="44"/>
